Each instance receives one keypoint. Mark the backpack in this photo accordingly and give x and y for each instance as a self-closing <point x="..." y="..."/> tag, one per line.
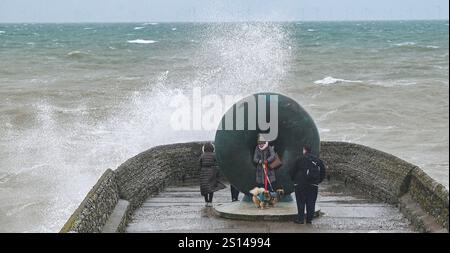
<point x="313" y="172"/>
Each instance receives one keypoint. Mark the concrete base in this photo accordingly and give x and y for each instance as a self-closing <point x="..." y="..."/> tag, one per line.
<point x="285" y="198"/>
<point x="244" y="210"/>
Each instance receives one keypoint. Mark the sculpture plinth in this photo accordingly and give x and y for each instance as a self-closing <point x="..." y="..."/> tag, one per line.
<point x="241" y="210"/>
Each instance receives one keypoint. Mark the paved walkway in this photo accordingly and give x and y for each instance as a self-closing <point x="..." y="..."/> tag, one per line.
<point x="181" y="209"/>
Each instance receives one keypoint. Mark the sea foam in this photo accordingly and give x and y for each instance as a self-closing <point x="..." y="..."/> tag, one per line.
<point x="139" y="27"/>
<point x="331" y="80"/>
<point x="141" y="41"/>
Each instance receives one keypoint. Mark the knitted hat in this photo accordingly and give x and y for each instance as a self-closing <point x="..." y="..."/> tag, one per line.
<point x="261" y="138"/>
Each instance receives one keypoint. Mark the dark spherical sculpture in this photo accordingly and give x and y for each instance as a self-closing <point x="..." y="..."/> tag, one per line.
<point x="235" y="145"/>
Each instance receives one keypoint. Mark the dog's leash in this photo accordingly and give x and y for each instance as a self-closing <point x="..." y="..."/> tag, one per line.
<point x="268" y="180"/>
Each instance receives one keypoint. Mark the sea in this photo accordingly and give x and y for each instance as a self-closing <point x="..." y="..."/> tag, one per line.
<point x="77" y="99"/>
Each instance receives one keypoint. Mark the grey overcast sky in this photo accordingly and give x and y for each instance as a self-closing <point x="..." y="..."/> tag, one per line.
<point x="218" y="10"/>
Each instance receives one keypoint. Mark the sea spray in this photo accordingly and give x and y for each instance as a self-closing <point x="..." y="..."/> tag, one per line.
<point x="65" y="151"/>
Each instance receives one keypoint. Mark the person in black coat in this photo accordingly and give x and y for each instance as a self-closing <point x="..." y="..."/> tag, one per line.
<point x="209" y="174"/>
<point x="305" y="190"/>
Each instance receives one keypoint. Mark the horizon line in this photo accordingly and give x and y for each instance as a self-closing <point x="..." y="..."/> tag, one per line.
<point x="229" y="21"/>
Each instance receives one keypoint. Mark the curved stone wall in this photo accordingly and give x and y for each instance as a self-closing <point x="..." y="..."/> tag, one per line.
<point x="97" y="206"/>
<point x="388" y="178"/>
<point x="367" y="170"/>
<point x="430" y="195"/>
<point x="134" y="181"/>
<point x="150" y="171"/>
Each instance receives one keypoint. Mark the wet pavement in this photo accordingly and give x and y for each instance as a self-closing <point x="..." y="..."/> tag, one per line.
<point x="182" y="209"/>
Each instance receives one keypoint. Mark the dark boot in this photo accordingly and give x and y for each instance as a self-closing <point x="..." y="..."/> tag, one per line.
<point x="299" y="221"/>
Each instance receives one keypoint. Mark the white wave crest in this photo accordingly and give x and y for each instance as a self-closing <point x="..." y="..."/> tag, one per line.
<point x="331" y="80"/>
<point x="405" y="44"/>
<point x="141" y="41"/>
<point x="77" y="54"/>
<point x="139" y="27"/>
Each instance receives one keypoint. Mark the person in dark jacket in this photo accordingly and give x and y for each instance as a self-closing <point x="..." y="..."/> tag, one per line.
<point x="209" y="174"/>
<point x="264" y="155"/>
<point x="306" y="191"/>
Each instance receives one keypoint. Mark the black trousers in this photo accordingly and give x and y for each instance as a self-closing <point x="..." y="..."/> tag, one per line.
<point x="234" y="193"/>
<point x="306" y="196"/>
<point x="209" y="197"/>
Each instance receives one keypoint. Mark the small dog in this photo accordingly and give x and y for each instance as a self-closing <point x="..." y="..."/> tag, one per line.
<point x="276" y="196"/>
<point x="259" y="197"/>
<point x="262" y="198"/>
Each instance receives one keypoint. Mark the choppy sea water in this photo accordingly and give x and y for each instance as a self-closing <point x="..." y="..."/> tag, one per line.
<point x="76" y="99"/>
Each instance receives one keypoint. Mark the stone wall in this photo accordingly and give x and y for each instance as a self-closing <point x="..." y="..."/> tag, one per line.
<point x="135" y="180"/>
<point x="94" y="210"/>
<point x="150" y="171"/>
<point x="431" y="196"/>
<point x="367" y="170"/>
<point x="386" y="177"/>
